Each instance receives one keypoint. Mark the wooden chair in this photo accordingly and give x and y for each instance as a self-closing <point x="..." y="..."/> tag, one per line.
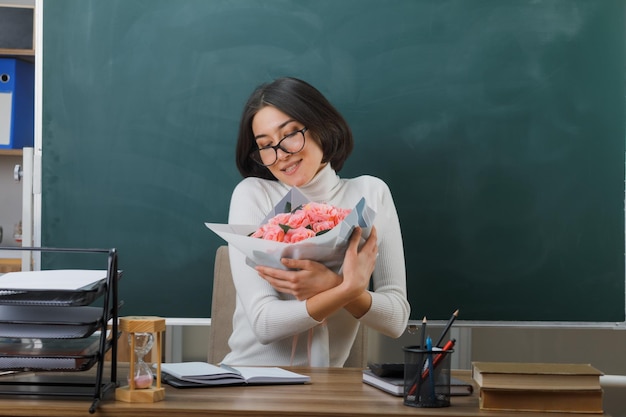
<point x="223" y="308"/>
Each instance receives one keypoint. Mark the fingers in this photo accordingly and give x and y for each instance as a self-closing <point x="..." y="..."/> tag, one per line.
<point x="371" y="244"/>
<point x="355" y="239"/>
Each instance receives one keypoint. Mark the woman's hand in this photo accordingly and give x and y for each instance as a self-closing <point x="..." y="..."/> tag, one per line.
<point x="304" y="279"/>
<point x="359" y="264"/>
<point x="324" y="290"/>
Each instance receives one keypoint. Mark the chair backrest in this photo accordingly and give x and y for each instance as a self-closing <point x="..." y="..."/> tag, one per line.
<point x="223" y="308"/>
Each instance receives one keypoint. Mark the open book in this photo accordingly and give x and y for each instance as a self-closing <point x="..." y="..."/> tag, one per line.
<point x="202" y="374"/>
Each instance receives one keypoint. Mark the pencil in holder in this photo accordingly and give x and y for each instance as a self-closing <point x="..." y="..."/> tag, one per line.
<point x="427" y="377"/>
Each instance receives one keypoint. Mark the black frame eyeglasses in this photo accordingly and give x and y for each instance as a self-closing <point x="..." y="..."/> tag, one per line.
<point x="256" y="153"/>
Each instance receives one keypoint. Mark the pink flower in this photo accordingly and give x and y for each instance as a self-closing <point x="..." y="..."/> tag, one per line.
<point x="323" y="226"/>
<point x="298" y="234"/>
<point x="270" y="232"/>
<point x="281" y="218"/>
<point x="302" y="223"/>
<point x="298" y="219"/>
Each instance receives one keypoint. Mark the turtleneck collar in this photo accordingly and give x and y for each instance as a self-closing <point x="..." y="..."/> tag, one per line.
<point x="323" y="185"/>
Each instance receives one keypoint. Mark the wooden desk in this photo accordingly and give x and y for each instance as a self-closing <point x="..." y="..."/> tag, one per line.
<point x="333" y="392"/>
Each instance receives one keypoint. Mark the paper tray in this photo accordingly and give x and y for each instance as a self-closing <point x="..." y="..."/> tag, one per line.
<point x="54" y="287"/>
<point x="52" y="297"/>
<point x="49" y="322"/>
<point x="49" y="354"/>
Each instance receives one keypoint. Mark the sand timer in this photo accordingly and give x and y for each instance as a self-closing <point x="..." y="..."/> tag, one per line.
<point x="144" y="333"/>
<point x="141" y="343"/>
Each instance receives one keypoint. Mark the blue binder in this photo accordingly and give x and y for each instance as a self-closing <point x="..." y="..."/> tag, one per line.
<point x="17" y="103"/>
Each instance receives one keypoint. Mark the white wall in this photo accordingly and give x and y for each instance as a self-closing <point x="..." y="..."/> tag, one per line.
<point x="10" y="199"/>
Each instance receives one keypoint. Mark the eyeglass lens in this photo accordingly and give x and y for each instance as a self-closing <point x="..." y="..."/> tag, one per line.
<point x="292" y="143"/>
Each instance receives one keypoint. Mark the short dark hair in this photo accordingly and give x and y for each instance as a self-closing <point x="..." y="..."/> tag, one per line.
<point x="304" y="103"/>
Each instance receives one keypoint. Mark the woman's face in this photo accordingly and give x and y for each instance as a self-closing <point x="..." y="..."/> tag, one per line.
<point x="269" y="126"/>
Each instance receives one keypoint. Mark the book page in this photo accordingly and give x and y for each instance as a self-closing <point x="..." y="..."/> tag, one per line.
<point x="195" y="370"/>
<point x="260" y="375"/>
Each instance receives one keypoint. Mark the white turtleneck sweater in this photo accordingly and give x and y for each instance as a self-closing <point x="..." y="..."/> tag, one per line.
<point x="266" y="321"/>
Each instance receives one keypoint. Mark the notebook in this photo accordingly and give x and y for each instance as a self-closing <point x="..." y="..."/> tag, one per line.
<point x="203" y="374"/>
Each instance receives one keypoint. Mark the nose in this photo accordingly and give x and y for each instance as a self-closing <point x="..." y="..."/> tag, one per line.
<point x="280" y="154"/>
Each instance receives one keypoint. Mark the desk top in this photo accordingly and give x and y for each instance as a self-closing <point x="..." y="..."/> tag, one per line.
<point x="333" y="391"/>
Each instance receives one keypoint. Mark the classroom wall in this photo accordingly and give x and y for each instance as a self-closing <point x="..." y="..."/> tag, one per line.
<point x="603" y="348"/>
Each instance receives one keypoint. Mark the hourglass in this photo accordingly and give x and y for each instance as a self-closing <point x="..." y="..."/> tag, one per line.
<point x="141" y="375"/>
<point x="144" y="333"/>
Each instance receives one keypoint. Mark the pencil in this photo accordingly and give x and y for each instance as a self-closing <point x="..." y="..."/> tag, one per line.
<point x="439" y="357"/>
<point x="447" y="328"/>
<point x="417" y="383"/>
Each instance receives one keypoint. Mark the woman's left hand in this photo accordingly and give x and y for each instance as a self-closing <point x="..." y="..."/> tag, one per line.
<point x="304" y="279"/>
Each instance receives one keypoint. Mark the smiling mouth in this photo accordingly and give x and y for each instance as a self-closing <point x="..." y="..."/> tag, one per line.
<point x="292" y="167"/>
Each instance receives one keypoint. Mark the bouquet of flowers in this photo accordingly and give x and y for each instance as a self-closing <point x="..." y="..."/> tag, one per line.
<point x="300" y="229"/>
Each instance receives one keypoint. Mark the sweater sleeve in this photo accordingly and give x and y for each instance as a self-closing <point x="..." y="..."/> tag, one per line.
<point x="272" y="315"/>
<point x="390" y="309"/>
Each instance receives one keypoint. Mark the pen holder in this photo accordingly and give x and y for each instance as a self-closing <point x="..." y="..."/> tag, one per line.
<point x="426" y="377"/>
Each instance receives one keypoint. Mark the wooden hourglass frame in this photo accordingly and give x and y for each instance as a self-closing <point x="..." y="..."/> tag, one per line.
<point x="142" y="324"/>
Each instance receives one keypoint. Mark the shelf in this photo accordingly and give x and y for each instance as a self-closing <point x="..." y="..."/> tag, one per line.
<point x="17" y="52"/>
<point x="10" y="265"/>
<point x="11" y="152"/>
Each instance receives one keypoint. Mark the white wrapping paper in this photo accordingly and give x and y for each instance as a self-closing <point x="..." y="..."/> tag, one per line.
<point x="328" y="248"/>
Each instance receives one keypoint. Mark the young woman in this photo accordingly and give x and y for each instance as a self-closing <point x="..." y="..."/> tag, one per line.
<point x="291" y="136"/>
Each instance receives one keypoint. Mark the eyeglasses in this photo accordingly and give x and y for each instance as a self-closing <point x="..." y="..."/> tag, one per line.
<point x="291" y="144"/>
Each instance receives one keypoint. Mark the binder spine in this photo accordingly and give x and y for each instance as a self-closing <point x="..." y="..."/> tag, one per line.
<point x="17" y="103"/>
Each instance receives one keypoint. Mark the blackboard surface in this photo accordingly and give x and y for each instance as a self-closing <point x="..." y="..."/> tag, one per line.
<point x="498" y="124"/>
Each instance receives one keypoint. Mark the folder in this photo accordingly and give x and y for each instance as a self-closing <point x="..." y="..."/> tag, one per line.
<point x="17" y="103"/>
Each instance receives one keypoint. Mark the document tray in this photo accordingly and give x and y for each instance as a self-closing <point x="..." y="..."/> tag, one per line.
<point x="52" y="322"/>
<point x="59" y="298"/>
<point x="49" y="354"/>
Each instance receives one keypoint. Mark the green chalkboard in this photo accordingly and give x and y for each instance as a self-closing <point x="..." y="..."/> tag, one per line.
<point x="498" y="124"/>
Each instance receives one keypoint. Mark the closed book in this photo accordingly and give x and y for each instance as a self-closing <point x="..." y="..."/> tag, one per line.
<point x="569" y="401"/>
<point x="540" y="376"/>
<point x="198" y="374"/>
<point x="395" y="385"/>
